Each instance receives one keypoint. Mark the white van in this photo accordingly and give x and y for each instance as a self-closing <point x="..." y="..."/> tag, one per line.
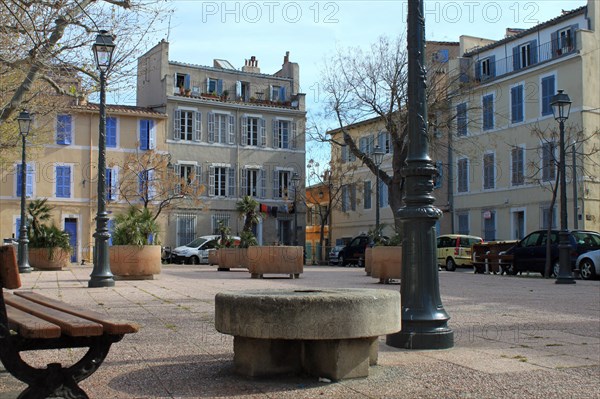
<point x="196" y="252"/>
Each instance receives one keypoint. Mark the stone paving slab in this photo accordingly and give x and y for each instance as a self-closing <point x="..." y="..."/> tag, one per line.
<point x="516" y="337"/>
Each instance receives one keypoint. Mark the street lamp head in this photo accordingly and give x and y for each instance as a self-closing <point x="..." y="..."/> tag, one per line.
<point x="103" y="50"/>
<point x="24" y="123"/>
<point x="378" y="155"/>
<point x="295" y="179"/>
<point x="561" y="106"/>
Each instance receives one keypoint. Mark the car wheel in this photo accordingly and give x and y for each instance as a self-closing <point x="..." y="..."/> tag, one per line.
<point x="556" y="268"/>
<point x="341" y="260"/>
<point x="194" y="260"/>
<point x="450" y="265"/>
<point x="510" y="269"/>
<point x="587" y="271"/>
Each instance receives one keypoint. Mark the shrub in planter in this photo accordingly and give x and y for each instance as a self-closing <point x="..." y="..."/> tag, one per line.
<point x="49" y="248"/>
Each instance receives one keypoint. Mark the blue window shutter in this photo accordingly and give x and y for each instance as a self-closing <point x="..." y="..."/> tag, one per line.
<point x="29" y="180"/>
<point x="493" y="66"/>
<point x="554" y="43"/>
<point x="220" y="86"/>
<point x="144" y="134"/>
<point x="547" y="93"/>
<point x="111" y="132"/>
<point x="478" y="71"/>
<point x="513" y="103"/>
<point x="516" y="59"/>
<point x="19" y="182"/>
<point x="282" y="94"/>
<point x="533" y="48"/>
<point x="63" y="129"/>
<point x="186" y="82"/>
<point x="63" y="181"/>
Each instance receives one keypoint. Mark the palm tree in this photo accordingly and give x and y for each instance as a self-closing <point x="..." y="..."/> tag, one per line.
<point x="39" y="213"/>
<point x="247" y="207"/>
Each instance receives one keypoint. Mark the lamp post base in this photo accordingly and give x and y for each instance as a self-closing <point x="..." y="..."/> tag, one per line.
<point x="25" y="269"/>
<point x="411" y="338"/>
<point x="564" y="280"/>
<point x="98" y="282"/>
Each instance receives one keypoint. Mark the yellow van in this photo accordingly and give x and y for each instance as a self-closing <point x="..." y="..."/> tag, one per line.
<point x="455" y="250"/>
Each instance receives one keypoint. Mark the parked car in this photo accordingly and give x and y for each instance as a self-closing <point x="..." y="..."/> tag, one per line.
<point x="354" y="251"/>
<point x="334" y="253"/>
<point x="196" y="252"/>
<point x="455" y="250"/>
<point x="589" y="265"/>
<point x="529" y="254"/>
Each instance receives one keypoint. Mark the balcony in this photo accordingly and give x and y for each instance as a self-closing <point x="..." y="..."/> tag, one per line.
<point x="294" y="102"/>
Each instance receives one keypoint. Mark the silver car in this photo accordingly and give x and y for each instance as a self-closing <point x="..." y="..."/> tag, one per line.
<point x="334" y="254"/>
<point x="588" y="264"/>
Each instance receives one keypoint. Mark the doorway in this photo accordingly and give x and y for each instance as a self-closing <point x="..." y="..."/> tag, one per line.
<point x="71" y="229"/>
<point x="285" y="232"/>
<point x="518" y="224"/>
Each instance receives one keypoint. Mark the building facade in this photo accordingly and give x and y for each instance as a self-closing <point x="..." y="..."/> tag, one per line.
<point x="240" y="132"/>
<point x="318" y="216"/>
<point x="64" y="168"/>
<point x="505" y="145"/>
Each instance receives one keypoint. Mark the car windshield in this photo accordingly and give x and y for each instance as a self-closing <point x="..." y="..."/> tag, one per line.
<point x="587" y="239"/>
<point x="196" y="243"/>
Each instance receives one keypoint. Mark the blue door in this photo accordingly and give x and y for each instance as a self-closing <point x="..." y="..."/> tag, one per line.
<point x="71" y="229"/>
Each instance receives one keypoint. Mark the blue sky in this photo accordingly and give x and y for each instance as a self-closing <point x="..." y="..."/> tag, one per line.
<point x="313" y="30"/>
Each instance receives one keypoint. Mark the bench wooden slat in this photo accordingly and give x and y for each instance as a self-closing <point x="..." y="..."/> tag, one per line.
<point x="9" y="270"/>
<point x="69" y="324"/>
<point x="111" y="326"/>
<point x="29" y="326"/>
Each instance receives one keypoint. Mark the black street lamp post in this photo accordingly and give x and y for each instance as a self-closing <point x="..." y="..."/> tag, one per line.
<point x="24" y="120"/>
<point x="101" y="275"/>
<point x="378" y="159"/>
<point x="561" y="106"/>
<point x="424" y="320"/>
<point x="296" y="184"/>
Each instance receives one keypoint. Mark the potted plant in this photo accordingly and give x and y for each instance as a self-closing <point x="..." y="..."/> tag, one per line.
<point x="49" y="246"/>
<point x="385" y="257"/>
<point x="135" y="253"/>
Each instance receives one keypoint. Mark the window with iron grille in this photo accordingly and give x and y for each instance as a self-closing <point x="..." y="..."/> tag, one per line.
<point x="224" y="218"/>
<point x="186" y="228"/>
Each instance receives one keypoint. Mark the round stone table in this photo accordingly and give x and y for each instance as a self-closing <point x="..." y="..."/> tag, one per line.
<point x="330" y="333"/>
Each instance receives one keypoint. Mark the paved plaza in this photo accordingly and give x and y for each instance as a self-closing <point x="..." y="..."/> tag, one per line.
<point x="515" y="337"/>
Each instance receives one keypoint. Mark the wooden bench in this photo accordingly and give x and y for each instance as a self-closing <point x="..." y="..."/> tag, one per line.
<point x="30" y="322"/>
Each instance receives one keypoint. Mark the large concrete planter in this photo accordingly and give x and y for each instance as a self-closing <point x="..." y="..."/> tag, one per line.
<point x="213" y="256"/>
<point x="232" y="258"/>
<point x="49" y="258"/>
<point x="133" y="262"/>
<point x="386" y="263"/>
<point x="275" y="259"/>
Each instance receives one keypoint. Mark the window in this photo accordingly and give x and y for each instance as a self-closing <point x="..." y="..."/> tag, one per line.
<point x="284" y="134"/>
<point x="489" y="225"/>
<point x="254" y="182"/>
<point x="347" y="155"/>
<point x="548" y="161"/>
<point x="365" y="144"/>
<point x="548" y="217"/>
<point x="188" y="125"/>
<point x="221" y="128"/>
<point x="518" y="166"/>
<point x="438" y="180"/>
<point x="214" y="86"/>
<point x="383" y="194"/>
<point x="486" y="68"/>
<point x="242" y="90"/>
<point x="64" y="130"/>
<point x="384" y="140"/>
<point x="147" y="134"/>
<point x="186" y="229"/>
<point x="111" y="132"/>
<point x="348" y="197"/>
<point x="489" y="171"/>
<point x="187" y="174"/>
<point x="63" y="182"/>
<point x="219" y="219"/>
<point x="112" y="184"/>
<point x="463" y="223"/>
<point x="517" y="104"/>
<point x="367" y="195"/>
<point x="488" y="111"/>
<point x="282" y="184"/>
<point x="525" y="55"/>
<point x="221" y="181"/>
<point x="253" y="131"/>
<point x="146" y="189"/>
<point x="29" y="176"/>
<point x="461" y="119"/>
<point x="182" y="80"/>
<point x="564" y="40"/>
<point x="547" y="93"/>
<point x="277" y="93"/>
<point x="463" y="175"/>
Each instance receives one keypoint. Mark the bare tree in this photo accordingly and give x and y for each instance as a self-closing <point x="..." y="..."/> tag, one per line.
<point x="45" y="51"/>
<point x="147" y="178"/>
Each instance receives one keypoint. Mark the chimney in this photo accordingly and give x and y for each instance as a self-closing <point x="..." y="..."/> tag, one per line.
<point x="251" y="65"/>
<point x="286" y="57"/>
<point x="510" y="32"/>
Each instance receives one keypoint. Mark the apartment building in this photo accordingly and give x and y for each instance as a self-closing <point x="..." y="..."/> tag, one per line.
<point x="356" y="212"/>
<point x="240" y="132"/>
<point x="64" y="168"/>
<point x="505" y="143"/>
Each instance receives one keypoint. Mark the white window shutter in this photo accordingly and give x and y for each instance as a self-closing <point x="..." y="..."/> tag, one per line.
<point x="238" y="90"/>
<point x="276" y="184"/>
<point x="270" y="93"/>
<point x="114" y="184"/>
<point x="275" y="133"/>
<point x="211" y="127"/>
<point x="231" y="182"/>
<point x="177" y="125"/>
<point x="244" y="179"/>
<point x="207" y="85"/>
<point x="198" y="178"/>
<point x="152" y="136"/>
<point x="197" y="126"/>
<point x="263" y="132"/>
<point x="294" y="143"/>
<point x="244" y="131"/>
<point x="231" y="126"/>
<point x="263" y="183"/>
<point x="177" y="179"/>
<point x="211" y="181"/>
<point x="151" y="188"/>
